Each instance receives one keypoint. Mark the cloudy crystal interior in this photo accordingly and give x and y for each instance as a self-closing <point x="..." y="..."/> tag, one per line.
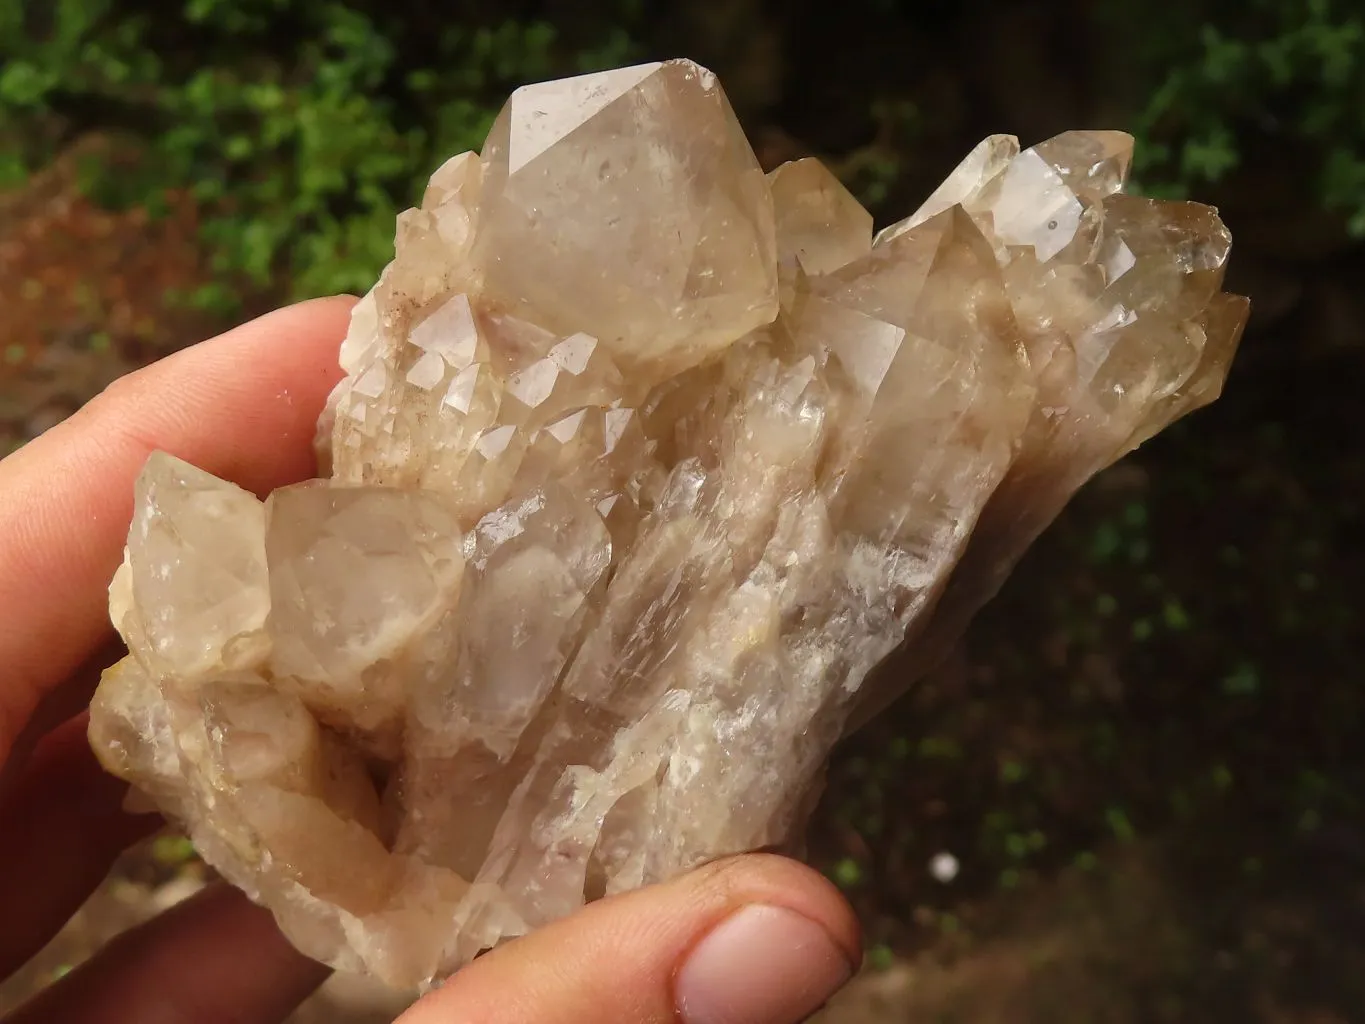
<point x="643" y="461"/>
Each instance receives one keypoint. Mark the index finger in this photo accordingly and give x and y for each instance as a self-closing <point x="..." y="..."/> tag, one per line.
<point x="242" y="406"/>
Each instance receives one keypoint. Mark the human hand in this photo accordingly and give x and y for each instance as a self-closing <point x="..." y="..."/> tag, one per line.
<point x="747" y="940"/>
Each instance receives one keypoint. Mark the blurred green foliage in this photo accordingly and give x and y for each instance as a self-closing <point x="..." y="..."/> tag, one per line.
<point x="1203" y="77"/>
<point x="301" y="126"/>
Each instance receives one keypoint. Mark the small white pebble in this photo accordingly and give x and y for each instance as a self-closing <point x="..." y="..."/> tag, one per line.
<point x="944" y="867"/>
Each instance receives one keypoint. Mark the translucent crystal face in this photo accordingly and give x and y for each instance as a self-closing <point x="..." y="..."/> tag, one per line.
<point x="642" y="463"/>
<point x="663" y="247"/>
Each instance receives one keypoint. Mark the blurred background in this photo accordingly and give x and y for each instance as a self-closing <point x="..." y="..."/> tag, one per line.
<point x="1137" y="794"/>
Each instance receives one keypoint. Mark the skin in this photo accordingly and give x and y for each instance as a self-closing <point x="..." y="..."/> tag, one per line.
<point x="243" y="406"/>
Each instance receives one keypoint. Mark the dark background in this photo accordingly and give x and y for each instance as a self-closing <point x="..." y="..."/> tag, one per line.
<point x="1147" y="762"/>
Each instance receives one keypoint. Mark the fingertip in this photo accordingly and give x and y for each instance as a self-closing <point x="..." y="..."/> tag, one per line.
<point x="751" y="939"/>
<point x="320" y="322"/>
<point x="775" y="880"/>
<point x="295" y="346"/>
<point x="763" y="964"/>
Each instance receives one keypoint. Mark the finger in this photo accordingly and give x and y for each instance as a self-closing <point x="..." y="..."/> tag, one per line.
<point x="749" y="940"/>
<point x="242" y="406"/>
<point x="58" y="705"/>
<point x="214" y="959"/>
<point x="61" y="828"/>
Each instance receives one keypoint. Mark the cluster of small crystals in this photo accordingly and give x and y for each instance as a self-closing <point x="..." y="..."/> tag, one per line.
<point x="643" y="461"/>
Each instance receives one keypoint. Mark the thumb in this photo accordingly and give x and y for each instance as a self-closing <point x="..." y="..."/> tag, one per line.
<point x="756" y="939"/>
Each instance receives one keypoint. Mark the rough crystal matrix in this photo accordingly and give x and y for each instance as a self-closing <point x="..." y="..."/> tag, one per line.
<point x="643" y="461"/>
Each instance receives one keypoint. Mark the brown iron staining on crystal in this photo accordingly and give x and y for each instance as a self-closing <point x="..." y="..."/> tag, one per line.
<point x="643" y="461"/>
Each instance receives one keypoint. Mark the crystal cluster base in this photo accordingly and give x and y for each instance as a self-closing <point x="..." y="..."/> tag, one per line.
<point x="642" y="462"/>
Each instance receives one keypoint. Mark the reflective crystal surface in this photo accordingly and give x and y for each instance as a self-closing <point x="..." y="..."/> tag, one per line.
<point x="642" y="463"/>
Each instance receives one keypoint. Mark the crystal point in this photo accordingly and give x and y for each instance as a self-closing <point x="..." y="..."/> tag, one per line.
<point x="664" y="247"/>
<point x="1093" y="164"/>
<point x="820" y="224"/>
<point x="642" y="463"/>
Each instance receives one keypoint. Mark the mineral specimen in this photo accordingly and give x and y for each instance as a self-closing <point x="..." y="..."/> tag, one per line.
<point x="642" y="462"/>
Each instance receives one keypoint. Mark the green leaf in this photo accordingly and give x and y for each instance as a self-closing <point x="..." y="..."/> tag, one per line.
<point x="847" y="873"/>
<point x="1174" y="615"/>
<point x="1119" y="824"/>
<point x="1209" y="156"/>
<point x="24" y="84"/>
<point x="1243" y="681"/>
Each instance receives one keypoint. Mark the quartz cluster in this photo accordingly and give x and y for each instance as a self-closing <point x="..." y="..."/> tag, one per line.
<point x="642" y="462"/>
